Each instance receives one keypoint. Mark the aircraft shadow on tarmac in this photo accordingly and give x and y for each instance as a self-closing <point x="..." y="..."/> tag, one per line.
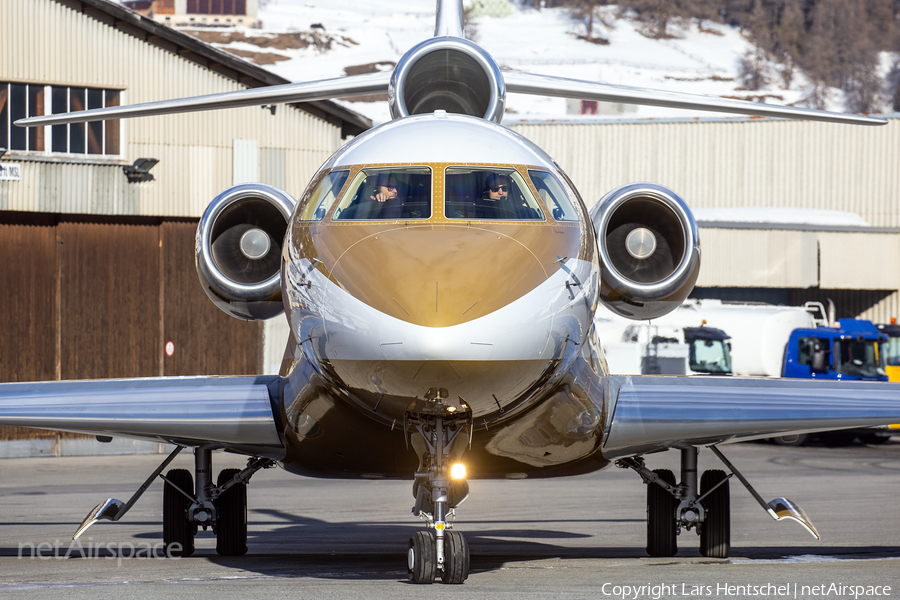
<point x="292" y="545"/>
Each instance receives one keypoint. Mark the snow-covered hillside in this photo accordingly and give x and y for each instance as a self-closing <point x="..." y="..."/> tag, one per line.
<point x="315" y="39"/>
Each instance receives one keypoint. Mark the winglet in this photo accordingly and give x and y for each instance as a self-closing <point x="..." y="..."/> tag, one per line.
<point x="108" y="510"/>
<point x="779" y="508"/>
<point x="782" y="508"/>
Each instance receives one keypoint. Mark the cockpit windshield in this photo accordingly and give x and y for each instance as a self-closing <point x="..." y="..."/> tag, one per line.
<point x="553" y="195"/>
<point x="489" y="194"/>
<point x="322" y="197"/>
<point x="387" y="195"/>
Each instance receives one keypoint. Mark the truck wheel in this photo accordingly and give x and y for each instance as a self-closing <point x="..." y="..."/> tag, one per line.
<point x="837" y="439"/>
<point x="791" y="440"/>
<point x="873" y="438"/>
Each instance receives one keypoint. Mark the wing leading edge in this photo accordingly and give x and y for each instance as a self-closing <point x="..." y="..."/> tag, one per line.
<point x="646" y="414"/>
<point x="548" y="85"/>
<point x="237" y="413"/>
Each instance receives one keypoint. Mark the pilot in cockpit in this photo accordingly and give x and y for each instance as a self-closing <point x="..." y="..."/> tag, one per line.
<point x="385" y="189"/>
<point x="496" y="187"/>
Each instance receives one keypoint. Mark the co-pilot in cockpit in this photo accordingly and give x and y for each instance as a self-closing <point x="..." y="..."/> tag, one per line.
<point x="493" y="195"/>
<point x="469" y="193"/>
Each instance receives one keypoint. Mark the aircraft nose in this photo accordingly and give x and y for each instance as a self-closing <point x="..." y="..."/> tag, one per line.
<point x="438" y="277"/>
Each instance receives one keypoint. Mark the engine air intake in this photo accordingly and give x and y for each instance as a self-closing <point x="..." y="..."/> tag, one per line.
<point x="450" y="74"/>
<point x="649" y="248"/>
<point x="239" y="243"/>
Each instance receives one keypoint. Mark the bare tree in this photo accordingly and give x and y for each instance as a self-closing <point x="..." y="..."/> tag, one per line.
<point x="752" y="69"/>
<point x="892" y="86"/>
<point x="587" y="11"/>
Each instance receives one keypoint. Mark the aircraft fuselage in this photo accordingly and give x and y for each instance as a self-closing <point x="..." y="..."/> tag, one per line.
<point x="440" y="293"/>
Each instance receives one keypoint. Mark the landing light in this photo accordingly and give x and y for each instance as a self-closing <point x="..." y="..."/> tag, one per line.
<point x="458" y="471"/>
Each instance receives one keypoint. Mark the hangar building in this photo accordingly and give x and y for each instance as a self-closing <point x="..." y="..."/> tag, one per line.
<point x="773" y="165"/>
<point x="97" y="273"/>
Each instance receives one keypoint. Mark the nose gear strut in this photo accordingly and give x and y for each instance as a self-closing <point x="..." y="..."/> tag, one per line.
<point x="439" y="432"/>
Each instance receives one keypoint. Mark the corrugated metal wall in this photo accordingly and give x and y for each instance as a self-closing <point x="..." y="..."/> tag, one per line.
<point x="30" y="300"/>
<point x="95" y="297"/>
<point x="733" y="162"/>
<point x="42" y="41"/>
<point x="760" y="163"/>
<point x="206" y="340"/>
<point x="860" y="272"/>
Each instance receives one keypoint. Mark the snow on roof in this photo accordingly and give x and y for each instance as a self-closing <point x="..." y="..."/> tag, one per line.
<point x="780" y="215"/>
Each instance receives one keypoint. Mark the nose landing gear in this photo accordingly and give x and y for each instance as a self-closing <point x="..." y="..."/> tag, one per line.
<point x="441" y="433"/>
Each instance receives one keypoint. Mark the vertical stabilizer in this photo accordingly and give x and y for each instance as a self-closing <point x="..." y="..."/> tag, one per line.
<point x="449" y="19"/>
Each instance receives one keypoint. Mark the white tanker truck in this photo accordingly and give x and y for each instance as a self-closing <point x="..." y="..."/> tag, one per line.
<point x="706" y="337"/>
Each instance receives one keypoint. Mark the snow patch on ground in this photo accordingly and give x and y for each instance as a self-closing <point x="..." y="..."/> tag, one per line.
<point x="699" y="60"/>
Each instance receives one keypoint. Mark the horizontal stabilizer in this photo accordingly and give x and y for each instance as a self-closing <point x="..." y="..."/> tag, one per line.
<point x="547" y="85"/>
<point x="657" y="413"/>
<point x="325" y="89"/>
<point x="214" y="412"/>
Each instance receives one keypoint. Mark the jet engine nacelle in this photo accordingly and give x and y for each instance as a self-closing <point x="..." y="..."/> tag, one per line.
<point x="238" y="253"/>
<point x="447" y="73"/>
<point x="649" y="250"/>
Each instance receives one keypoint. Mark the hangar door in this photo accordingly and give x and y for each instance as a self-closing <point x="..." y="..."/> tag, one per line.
<point x="95" y="297"/>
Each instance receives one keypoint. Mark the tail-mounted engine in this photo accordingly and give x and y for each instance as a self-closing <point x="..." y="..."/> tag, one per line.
<point x="447" y="73"/>
<point x="238" y="254"/>
<point x="649" y="250"/>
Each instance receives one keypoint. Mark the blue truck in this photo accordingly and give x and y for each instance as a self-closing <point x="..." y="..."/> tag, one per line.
<point x="853" y="351"/>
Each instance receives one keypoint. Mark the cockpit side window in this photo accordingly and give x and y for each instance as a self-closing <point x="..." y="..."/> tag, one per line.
<point x="553" y="195"/>
<point x="387" y="195"/>
<point x="489" y="194"/>
<point x="319" y="202"/>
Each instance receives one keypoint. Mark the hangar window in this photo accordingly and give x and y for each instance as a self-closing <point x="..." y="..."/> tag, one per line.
<point x="217" y="7"/>
<point x="387" y="195"/>
<point x="489" y="194"/>
<point x="20" y="100"/>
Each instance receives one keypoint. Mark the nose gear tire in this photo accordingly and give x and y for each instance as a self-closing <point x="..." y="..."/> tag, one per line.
<point x="422" y="557"/>
<point x="456" y="558"/>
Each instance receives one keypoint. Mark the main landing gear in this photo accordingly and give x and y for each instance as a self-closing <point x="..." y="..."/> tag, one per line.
<point x="671" y="508"/>
<point x="441" y="435"/>
<point x="222" y="507"/>
<point x="705" y="508"/>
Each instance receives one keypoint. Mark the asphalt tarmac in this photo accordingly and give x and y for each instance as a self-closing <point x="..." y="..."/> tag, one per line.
<point x="565" y="538"/>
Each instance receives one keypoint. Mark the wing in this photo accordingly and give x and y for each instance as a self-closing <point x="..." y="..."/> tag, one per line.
<point x="307" y="91"/>
<point x="237" y="413"/>
<point x="515" y="81"/>
<point x="651" y="413"/>
<point x="547" y="85"/>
